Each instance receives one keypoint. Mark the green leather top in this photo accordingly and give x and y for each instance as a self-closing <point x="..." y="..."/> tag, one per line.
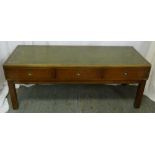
<point x="36" y="55"/>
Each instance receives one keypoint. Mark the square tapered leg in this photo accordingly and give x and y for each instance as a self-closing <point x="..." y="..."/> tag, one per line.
<point x="13" y="94"/>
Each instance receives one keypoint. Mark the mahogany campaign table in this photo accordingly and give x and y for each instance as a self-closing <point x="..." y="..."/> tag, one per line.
<point x="36" y="64"/>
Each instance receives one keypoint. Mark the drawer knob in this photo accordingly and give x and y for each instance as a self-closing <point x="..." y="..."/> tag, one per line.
<point x="78" y="74"/>
<point x="29" y="74"/>
<point x="125" y="74"/>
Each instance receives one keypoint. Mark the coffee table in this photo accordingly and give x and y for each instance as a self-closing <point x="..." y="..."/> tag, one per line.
<point x="34" y="64"/>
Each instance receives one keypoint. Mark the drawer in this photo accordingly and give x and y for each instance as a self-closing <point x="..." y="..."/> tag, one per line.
<point x="109" y="73"/>
<point x="29" y="74"/>
<point x="78" y="74"/>
<point x="127" y="73"/>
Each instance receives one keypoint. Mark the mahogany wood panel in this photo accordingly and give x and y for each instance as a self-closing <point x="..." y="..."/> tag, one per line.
<point x="125" y="73"/>
<point x="78" y="74"/>
<point x="29" y="74"/>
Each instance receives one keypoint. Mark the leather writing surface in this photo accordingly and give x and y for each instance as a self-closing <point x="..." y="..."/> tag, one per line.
<point x="76" y="56"/>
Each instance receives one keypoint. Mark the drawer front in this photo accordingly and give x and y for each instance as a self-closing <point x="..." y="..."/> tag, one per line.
<point x="125" y="73"/>
<point x="78" y="74"/>
<point x="101" y="74"/>
<point x="30" y="74"/>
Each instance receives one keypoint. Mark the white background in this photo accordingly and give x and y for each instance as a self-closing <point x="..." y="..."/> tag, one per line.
<point x="77" y="20"/>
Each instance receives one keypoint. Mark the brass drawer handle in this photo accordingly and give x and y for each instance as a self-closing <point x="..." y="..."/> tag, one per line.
<point x="78" y="74"/>
<point x="125" y="73"/>
<point x="29" y="74"/>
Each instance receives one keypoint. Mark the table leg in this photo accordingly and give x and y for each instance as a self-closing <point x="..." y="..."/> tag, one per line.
<point x="13" y="94"/>
<point x="139" y="94"/>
